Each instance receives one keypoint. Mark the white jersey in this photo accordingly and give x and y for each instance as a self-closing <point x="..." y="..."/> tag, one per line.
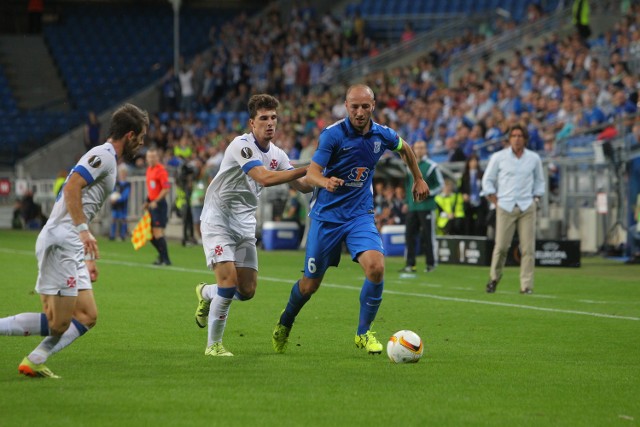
<point x="99" y="168"/>
<point x="60" y="253"/>
<point x="232" y="197"/>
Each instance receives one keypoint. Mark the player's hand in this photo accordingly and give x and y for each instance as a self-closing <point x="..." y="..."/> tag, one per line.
<point x="333" y="183"/>
<point x="420" y="190"/>
<point x="93" y="269"/>
<point x="90" y="245"/>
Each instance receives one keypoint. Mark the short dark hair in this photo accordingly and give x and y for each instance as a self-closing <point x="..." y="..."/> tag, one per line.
<point x="261" y="101"/>
<point x="523" y="129"/>
<point x="128" y="118"/>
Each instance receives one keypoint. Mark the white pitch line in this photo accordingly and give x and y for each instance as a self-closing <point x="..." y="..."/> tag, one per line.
<point x="387" y="291"/>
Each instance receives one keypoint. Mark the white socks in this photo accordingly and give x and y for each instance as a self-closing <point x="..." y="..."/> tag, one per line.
<point x="218" y="313"/>
<point x="24" y="324"/>
<point x="51" y="345"/>
<point x="209" y="291"/>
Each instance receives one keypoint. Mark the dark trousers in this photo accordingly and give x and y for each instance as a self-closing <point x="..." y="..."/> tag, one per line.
<point x="420" y="224"/>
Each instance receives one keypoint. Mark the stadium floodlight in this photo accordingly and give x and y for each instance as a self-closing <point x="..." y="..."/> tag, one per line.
<point x="176" y="35"/>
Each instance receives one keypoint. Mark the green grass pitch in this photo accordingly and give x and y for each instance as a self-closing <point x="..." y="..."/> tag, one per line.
<point x="568" y="355"/>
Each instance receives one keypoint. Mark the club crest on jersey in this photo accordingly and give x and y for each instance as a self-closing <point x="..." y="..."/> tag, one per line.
<point x="218" y="250"/>
<point x="95" y="161"/>
<point x="246" y="152"/>
<point x="376" y="146"/>
<point x="273" y="164"/>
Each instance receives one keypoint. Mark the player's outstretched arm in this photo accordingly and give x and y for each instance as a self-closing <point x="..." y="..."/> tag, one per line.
<point x="316" y="178"/>
<point x="268" y="178"/>
<point x="302" y="185"/>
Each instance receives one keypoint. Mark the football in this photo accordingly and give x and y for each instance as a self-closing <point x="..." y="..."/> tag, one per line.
<point x="405" y="347"/>
<point x="114" y="196"/>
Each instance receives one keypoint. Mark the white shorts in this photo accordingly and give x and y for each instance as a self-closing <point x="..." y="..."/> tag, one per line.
<point x="220" y="245"/>
<point x="61" y="266"/>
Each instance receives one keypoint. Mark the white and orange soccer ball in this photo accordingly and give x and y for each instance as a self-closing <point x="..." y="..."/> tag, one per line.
<point x="405" y="347"/>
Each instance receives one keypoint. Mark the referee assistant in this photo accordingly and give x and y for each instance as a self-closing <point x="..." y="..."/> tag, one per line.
<point x="157" y="189"/>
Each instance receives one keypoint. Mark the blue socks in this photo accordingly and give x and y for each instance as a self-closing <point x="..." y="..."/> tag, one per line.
<point x="370" y="299"/>
<point x="295" y="304"/>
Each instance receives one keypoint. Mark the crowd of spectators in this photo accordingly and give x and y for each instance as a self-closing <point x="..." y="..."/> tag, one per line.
<point x="557" y="88"/>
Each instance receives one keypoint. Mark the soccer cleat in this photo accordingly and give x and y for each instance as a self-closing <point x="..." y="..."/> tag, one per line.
<point x="30" y="369"/>
<point x="202" y="312"/>
<point x="527" y="291"/>
<point x="369" y="342"/>
<point x="280" y="338"/>
<point x="408" y="269"/>
<point x="217" y="349"/>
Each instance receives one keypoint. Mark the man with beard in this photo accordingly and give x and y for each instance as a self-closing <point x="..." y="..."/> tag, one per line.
<point x="67" y="251"/>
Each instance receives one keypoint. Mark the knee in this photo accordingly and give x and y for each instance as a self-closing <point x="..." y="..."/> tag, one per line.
<point x="308" y="287"/>
<point x="88" y="319"/>
<point x="375" y="272"/>
<point x="245" y="295"/>
<point x="89" y="322"/>
<point x="56" y="329"/>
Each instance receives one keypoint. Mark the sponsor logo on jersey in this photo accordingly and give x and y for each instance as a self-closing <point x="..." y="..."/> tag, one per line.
<point x="246" y="152"/>
<point x="376" y="146"/>
<point x="273" y="164"/>
<point x="95" y="161"/>
<point x="357" y="177"/>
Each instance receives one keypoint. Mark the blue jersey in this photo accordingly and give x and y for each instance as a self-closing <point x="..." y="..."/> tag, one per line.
<point x="348" y="155"/>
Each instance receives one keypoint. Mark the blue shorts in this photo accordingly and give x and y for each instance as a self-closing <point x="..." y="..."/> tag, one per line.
<point x="159" y="214"/>
<point x="324" y="244"/>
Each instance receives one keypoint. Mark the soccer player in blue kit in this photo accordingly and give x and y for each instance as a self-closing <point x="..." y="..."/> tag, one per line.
<point x="342" y="211"/>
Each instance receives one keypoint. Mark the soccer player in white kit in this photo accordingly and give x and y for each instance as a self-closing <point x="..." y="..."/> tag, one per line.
<point x="66" y="250"/>
<point x="228" y="224"/>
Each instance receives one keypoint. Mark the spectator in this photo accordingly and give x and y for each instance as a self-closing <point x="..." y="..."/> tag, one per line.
<point x="91" y="132"/>
<point x="475" y="206"/>
<point x="120" y="205"/>
<point x="169" y="91"/>
<point x="187" y="92"/>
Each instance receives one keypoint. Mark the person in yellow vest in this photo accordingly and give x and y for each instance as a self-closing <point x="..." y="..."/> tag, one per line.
<point x="580" y="13"/>
<point x="184" y="148"/>
<point x="450" y="210"/>
<point x="60" y="179"/>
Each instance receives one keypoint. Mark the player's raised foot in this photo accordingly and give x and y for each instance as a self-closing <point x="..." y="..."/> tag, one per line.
<point x="30" y="369"/>
<point x="369" y="342"/>
<point x="217" y="349"/>
<point x="280" y="338"/>
<point x="202" y="312"/>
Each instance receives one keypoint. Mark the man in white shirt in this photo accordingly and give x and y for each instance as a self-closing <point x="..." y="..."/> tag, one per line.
<point x="228" y="223"/>
<point x="514" y="182"/>
<point x="66" y="250"/>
